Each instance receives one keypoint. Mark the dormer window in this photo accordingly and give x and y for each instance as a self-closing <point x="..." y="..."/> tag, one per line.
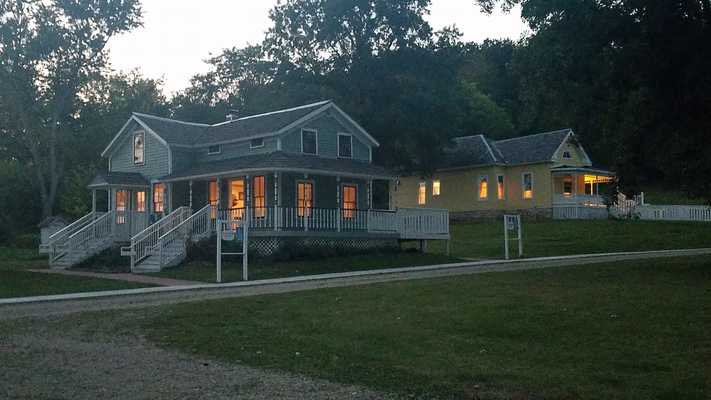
<point x="216" y="149"/>
<point x="139" y="147"/>
<point x="256" y="143"/>
<point x="566" y="155"/>
<point x="309" y="141"/>
<point x="345" y="145"/>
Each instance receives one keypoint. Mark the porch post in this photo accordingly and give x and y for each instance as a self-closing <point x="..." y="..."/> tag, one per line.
<point x="276" y="201"/>
<point x="218" y="183"/>
<point x="93" y="200"/>
<point x="190" y="189"/>
<point x="369" y="198"/>
<point x="169" y="193"/>
<point x="108" y="204"/>
<point x="392" y="185"/>
<point x="338" y="203"/>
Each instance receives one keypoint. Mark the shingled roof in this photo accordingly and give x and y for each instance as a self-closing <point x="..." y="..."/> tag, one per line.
<point x="104" y="179"/>
<point x="171" y="130"/>
<point x="280" y="160"/>
<point x="470" y="151"/>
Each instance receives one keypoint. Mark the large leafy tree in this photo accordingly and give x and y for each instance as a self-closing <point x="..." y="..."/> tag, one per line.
<point x="50" y="50"/>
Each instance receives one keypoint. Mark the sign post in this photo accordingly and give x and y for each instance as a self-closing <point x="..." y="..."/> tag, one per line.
<point x="238" y="231"/>
<point x="512" y="225"/>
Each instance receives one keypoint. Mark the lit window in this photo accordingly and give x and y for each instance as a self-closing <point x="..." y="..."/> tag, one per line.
<point x="216" y="149"/>
<point x="568" y="186"/>
<point x="349" y="201"/>
<point x="139" y="147"/>
<point x="527" y="185"/>
<point x="435" y="188"/>
<point x="566" y="154"/>
<point x="500" y="187"/>
<point x="158" y="198"/>
<point x="212" y="198"/>
<point x="304" y="199"/>
<point x="121" y="196"/>
<point x="259" y="197"/>
<point x="308" y="142"/>
<point x="483" y="187"/>
<point x="345" y="146"/>
<point x="141" y="201"/>
<point x="256" y="143"/>
<point x="422" y="194"/>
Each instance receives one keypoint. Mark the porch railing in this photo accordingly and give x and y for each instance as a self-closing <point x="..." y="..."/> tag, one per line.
<point x="197" y="224"/>
<point x="409" y="223"/>
<point x="145" y="242"/>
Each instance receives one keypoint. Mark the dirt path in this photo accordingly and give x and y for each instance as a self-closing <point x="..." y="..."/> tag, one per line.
<point x="127" y="277"/>
<point x="75" y="359"/>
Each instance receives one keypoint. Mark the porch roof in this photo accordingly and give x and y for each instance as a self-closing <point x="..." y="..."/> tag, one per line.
<point x="283" y="162"/>
<point x="564" y="170"/>
<point x="126" y="179"/>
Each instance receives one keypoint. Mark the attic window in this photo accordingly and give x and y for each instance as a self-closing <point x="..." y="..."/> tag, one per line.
<point x="256" y="143"/>
<point x="345" y="145"/>
<point x="216" y="149"/>
<point x="566" y="154"/>
<point x="139" y="147"/>
<point x="309" y="142"/>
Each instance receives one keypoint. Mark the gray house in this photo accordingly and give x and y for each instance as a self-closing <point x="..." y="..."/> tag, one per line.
<point x="300" y="176"/>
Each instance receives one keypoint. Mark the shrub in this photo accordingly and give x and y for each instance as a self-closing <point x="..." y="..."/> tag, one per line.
<point x="109" y="260"/>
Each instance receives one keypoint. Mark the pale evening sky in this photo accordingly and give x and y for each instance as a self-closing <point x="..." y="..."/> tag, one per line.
<point x="178" y="35"/>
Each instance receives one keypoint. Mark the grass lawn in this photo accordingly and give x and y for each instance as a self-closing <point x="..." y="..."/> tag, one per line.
<point x="635" y="330"/>
<point x="205" y="271"/>
<point x="551" y="238"/>
<point x="17" y="281"/>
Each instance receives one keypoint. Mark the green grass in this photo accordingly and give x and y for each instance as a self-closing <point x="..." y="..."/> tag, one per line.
<point x="635" y="330"/>
<point x="17" y="281"/>
<point x="205" y="271"/>
<point x="551" y="238"/>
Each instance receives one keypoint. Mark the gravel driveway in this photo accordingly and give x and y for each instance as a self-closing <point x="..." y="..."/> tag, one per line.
<point x="75" y="358"/>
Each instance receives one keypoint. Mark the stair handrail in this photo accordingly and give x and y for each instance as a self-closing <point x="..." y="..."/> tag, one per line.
<point x="97" y="228"/>
<point x="185" y="228"/>
<point x="145" y="241"/>
<point x="71" y="228"/>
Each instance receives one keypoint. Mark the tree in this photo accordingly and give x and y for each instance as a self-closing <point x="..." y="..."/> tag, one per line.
<point x="50" y="50"/>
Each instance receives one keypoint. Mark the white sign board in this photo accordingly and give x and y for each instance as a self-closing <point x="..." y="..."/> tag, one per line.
<point x="512" y="231"/>
<point x="233" y="230"/>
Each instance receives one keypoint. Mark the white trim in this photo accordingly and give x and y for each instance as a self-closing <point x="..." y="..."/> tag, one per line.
<point x="133" y="147"/>
<point x="353" y="185"/>
<point x="281" y="169"/>
<point x="169" y="119"/>
<point x="486" y="143"/>
<point x="338" y="144"/>
<point x="315" y="131"/>
<point x="357" y="125"/>
<point x="275" y="112"/>
<point x="312" y="182"/>
<point x="219" y="150"/>
<point x="278" y="144"/>
<point x="115" y="138"/>
<point x="478" y="186"/>
<point x="256" y="147"/>
<point x="523" y="190"/>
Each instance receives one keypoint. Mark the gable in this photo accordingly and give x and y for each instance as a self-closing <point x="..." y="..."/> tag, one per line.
<point x="576" y="155"/>
<point x="156" y="153"/>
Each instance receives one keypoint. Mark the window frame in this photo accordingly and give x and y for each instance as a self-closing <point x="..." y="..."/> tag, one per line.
<point x="569" y="155"/>
<point x="259" y="212"/>
<point x="216" y="201"/>
<point x="154" y="193"/>
<point x="121" y="214"/>
<point x="141" y="133"/>
<point x="436" y="184"/>
<point x="252" y="146"/>
<point x="212" y="153"/>
<point x="139" y="208"/>
<point x="568" y="180"/>
<point x="315" y="132"/>
<point x="338" y="144"/>
<point x="523" y="188"/>
<point x="482" y="178"/>
<point x="304" y="213"/>
<point x="501" y="184"/>
<point x="422" y="193"/>
<point x="348" y="213"/>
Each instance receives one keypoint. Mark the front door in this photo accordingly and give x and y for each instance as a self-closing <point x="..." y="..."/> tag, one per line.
<point x="237" y="198"/>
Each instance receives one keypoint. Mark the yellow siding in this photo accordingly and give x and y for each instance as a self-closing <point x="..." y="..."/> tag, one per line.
<point x="577" y="157"/>
<point x="459" y="189"/>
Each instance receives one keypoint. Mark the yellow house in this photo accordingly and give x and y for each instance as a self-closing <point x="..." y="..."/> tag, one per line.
<point x="542" y="175"/>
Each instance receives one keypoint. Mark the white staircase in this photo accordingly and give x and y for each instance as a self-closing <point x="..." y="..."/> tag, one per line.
<point x="164" y="244"/>
<point x="89" y="237"/>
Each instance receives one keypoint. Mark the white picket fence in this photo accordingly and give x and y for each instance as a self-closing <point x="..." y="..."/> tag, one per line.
<point x="673" y="213"/>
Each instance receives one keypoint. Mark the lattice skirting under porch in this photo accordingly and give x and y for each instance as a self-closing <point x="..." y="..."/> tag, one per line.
<point x="266" y="246"/>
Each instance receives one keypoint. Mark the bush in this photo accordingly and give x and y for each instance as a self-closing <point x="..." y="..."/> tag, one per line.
<point x="109" y="260"/>
<point x="26" y="241"/>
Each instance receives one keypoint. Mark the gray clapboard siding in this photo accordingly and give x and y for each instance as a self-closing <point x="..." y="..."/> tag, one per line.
<point x="328" y="127"/>
<point x="156" y="156"/>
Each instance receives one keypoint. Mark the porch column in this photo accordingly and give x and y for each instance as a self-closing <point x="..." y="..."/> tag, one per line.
<point x="218" y="183"/>
<point x="369" y="197"/>
<point x="392" y="185"/>
<point x="276" y="201"/>
<point x="93" y="200"/>
<point x="108" y="203"/>
<point x="190" y="190"/>
<point x="338" y="203"/>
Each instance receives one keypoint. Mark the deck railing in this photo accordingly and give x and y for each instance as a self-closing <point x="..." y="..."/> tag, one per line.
<point x="59" y="238"/>
<point x="197" y="224"/>
<point x="145" y="242"/>
<point x="409" y="223"/>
